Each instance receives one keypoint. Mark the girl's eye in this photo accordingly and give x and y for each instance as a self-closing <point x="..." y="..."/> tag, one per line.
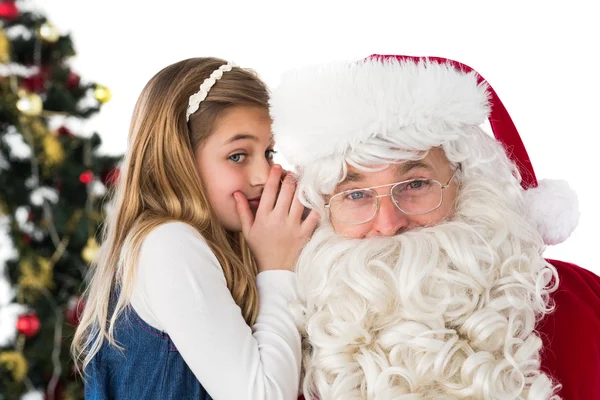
<point x="237" y="158"/>
<point x="269" y="154"/>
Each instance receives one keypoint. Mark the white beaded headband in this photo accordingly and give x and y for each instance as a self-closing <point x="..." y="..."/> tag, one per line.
<point x="198" y="97"/>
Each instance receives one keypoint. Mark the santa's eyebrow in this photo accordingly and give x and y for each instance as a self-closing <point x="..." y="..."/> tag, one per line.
<point x="353" y="177"/>
<point x="403" y="168"/>
<point x="408" y="166"/>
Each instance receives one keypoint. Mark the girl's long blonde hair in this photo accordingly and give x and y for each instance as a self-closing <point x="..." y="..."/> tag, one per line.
<point x="159" y="182"/>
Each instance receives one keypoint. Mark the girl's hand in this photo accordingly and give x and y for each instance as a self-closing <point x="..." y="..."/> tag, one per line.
<point x="277" y="234"/>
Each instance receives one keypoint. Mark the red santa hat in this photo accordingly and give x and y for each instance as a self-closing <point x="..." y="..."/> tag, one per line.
<point x="327" y="110"/>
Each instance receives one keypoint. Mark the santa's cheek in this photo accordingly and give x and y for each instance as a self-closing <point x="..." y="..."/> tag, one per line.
<point x="352" y="231"/>
<point x="430" y="219"/>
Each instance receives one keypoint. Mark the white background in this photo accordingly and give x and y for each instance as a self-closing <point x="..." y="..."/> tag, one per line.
<point x="541" y="57"/>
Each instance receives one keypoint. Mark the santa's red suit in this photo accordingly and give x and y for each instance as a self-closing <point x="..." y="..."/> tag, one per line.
<point x="571" y="334"/>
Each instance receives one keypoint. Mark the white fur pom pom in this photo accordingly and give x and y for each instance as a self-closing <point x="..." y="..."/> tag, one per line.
<point x="554" y="209"/>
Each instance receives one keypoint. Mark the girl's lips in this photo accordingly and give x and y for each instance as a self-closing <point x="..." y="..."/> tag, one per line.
<point x="254" y="202"/>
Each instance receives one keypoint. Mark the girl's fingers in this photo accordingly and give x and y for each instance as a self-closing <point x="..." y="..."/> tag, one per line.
<point x="286" y="195"/>
<point x="310" y="223"/>
<point x="297" y="208"/>
<point x="269" y="194"/>
<point x="244" y="212"/>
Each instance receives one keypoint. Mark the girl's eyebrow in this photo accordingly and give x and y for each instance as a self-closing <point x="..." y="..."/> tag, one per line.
<point x="242" y="136"/>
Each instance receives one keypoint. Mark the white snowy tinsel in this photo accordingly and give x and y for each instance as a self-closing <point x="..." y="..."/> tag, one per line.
<point x="98" y="188"/>
<point x="26" y="226"/>
<point x="31" y="182"/>
<point x="18" y="70"/>
<point x="9" y="312"/>
<point x="17" y="147"/>
<point x="79" y="126"/>
<point x="88" y="101"/>
<point x="22" y="215"/>
<point x="7" y="249"/>
<point x="33" y="395"/>
<point x="4" y="165"/>
<point x="18" y="31"/>
<point x="40" y="194"/>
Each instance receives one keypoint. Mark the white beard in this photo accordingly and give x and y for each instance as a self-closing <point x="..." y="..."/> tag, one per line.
<point x="446" y="312"/>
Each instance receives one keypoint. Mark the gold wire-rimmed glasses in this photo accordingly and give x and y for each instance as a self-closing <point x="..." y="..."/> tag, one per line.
<point x="412" y="197"/>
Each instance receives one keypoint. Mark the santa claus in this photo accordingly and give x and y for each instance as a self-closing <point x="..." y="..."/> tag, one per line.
<point x="426" y="278"/>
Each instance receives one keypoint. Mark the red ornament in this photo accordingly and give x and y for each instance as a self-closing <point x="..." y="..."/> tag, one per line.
<point x="27" y="239"/>
<point x="62" y="131"/>
<point x="86" y="177"/>
<point x="72" y="80"/>
<point x="8" y="10"/>
<point x="36" y="83"/>
<point x="28" y="324"/>
<point x="110" y="177"/>
<point x="74" y="310"/>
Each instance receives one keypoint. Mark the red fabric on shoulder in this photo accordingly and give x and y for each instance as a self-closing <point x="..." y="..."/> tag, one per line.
<point x="571" y="334"/>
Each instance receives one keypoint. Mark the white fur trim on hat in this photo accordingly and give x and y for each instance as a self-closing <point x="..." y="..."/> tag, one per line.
<point x="554" y="209"/>
<point x="322" y="111"/>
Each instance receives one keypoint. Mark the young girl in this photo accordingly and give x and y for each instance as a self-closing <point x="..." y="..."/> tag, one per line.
<point x="178" y="306"/>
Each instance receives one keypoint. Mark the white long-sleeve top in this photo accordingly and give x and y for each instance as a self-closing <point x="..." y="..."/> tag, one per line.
<point x="181" y="290"/>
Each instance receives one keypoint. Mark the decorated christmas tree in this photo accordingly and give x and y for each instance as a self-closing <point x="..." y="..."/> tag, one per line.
<point x="52" y="186"/>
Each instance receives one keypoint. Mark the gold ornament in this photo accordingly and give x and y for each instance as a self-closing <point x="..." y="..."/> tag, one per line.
<point x="4" y="48"/>
<point x="54" y="153"/>
<point x="36" y="278"/>
<point x="29" y="104"/>
<point x="38" y="128"/>
<point x="48" y="32"/>
<point x="102" y="93"/>
<point x="90" y="251"/>
<point x="15" y="363"/>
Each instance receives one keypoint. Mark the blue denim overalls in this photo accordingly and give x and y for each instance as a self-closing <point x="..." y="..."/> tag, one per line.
<point x="148" y="367"/>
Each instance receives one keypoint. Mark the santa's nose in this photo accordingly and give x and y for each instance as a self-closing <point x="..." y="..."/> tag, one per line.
<point x="389" y="220"/>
